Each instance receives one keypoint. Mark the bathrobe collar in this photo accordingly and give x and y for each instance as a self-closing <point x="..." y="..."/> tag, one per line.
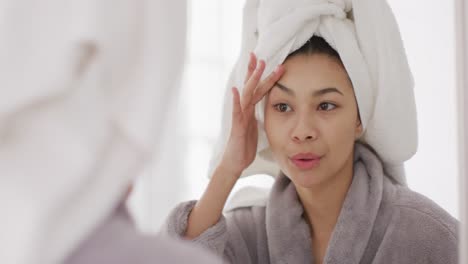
<point x="289" y="234"/>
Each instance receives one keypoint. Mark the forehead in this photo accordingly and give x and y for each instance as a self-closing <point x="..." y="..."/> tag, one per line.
<point x="315" y="72"/>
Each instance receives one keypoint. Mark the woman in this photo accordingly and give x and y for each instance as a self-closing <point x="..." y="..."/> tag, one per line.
<point x="334" y="200"/>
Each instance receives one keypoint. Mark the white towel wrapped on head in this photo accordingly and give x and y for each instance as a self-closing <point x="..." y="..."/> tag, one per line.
<point x="366" y="36"/>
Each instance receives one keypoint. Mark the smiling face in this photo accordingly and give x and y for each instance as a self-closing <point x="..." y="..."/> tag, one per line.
<point x="312" y="120"/>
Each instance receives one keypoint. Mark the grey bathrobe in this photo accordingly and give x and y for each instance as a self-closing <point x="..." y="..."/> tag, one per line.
<point x="380" y="222"/>
<point x="117" y="241"/>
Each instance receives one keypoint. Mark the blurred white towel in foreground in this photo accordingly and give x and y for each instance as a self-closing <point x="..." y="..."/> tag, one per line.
<point x="82" y="85"/>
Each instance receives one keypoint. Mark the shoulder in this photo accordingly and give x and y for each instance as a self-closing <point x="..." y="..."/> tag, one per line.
<point x="146" y="249"/>
<point x="247" y="212"/>
<point x="413" y="206"/>
<point x="411" y="228"/>
<point x="247" y="206"/>
<point x="245" y="217"/>
<point x="419" y="224"/>
<point x="118" y="241"/>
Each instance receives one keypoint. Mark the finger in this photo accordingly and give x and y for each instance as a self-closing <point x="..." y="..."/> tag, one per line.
<point x="236" y="108"/>
<point x="249" y="112"/>
<point x="251" y="67"/>
<point x="265" y="86"/>
<point x="251" y="84"/>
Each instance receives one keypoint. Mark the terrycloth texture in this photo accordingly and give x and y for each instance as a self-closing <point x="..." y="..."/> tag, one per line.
<point x="365" y="34"/>
<point x="117" y="241"/>
<point x="380" y="222"/>
<point x="85" y="88"/>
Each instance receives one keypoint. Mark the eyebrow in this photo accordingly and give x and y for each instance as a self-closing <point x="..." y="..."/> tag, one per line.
<point x="316" y="93"/>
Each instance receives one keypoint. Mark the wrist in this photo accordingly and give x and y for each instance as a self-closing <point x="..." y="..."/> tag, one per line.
<point x="227" y="171"/>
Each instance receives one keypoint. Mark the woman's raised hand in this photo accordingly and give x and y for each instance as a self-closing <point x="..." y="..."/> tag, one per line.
<point x="241" y="148"/>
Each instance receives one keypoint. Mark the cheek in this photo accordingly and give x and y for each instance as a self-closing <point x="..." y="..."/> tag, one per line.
<point x="275" y="132"/>
<point x="337" y="130"/>
<point x="344" y="129"/>
<point x="340" y="134"/>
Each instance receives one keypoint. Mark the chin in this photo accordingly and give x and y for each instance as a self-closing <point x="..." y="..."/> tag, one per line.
<point x="306" y="178"/>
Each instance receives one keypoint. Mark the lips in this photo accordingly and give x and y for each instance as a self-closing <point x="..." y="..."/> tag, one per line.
<point x="305" y="161"/>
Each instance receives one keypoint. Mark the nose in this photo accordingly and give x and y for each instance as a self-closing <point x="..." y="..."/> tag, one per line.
<point x="304" y="129"/>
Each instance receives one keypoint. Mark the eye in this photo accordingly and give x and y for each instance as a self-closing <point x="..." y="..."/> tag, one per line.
<point x="327" y="106"/>
<point x="281" y="107"/>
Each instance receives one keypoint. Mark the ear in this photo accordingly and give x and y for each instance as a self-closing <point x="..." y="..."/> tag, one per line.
<point x="358" y="128"/>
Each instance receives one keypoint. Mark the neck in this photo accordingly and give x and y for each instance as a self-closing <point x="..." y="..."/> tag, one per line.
<point x="322" y="204"/>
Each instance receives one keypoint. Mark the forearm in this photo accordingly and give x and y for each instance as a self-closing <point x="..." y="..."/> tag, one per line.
<point x="209" y="208"/>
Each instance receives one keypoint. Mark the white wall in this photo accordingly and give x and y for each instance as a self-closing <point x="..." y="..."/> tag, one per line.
<point x="461" y="12"/>
<point x="429" y="38"/>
